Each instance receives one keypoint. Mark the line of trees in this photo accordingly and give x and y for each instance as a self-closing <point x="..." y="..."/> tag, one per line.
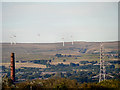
<point x="60" y="83"/>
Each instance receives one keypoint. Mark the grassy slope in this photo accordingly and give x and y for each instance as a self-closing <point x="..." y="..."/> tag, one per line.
<point x="34" y="51"/>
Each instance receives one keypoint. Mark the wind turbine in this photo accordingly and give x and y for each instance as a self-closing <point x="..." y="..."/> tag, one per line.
<point x="12" y="39"/>
<point x="72" y="40"/>
<point x="38" y="35"/>
<point x="63" y="41"/>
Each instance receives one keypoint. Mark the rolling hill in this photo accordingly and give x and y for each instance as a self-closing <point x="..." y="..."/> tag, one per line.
<point x="38" y="51"/>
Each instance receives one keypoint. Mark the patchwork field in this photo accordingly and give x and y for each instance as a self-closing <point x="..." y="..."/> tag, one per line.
<point x="19" y="65"/>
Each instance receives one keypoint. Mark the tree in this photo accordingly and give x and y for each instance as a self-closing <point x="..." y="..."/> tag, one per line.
<point x="64" y="60"/>
<point x="7" y="82"/>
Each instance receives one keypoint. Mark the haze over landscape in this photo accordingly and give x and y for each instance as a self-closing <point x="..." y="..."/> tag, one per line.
<point x="60" y="45"/>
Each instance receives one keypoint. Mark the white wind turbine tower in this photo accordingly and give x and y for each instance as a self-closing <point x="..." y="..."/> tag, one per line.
<point x="14" y="39"/>
<point x="63" y="41"/>
<point x="39" y="37"/>
<point x="72" y="39"/>
<point x="11" y="40"/>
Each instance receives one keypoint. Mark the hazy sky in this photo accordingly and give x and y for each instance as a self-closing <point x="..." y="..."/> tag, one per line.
<point x="49" y="22"/>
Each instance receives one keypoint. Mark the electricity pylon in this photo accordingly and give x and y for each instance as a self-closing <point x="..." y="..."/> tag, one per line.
<point x="102" y="75"/>
<point x="102" y="65"/>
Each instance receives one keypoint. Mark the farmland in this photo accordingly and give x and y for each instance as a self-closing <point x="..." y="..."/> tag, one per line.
<point x="49" y="60"/>
<point x="19" y="65"/>
<point x="47" y="51"/>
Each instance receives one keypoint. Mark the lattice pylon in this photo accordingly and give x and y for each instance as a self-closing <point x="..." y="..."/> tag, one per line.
<point x="102" y="65"/>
